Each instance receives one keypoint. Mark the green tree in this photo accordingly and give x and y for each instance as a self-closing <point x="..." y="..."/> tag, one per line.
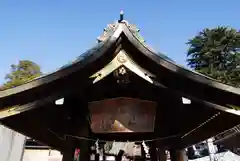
<point x="216" y="53"/>
<point x="21" y="73"/>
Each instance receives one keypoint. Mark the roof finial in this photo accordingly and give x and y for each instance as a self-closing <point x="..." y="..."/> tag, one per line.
<point x="121" y="16"/>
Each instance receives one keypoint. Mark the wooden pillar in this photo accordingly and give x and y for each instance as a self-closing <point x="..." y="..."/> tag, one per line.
<point x="69" y="151"/>
<point x="153" y="151"/>
<point x="84" y="150"/>
<point x="97" y="157"/>
<point x="68" y="156"/>
<point x="79" y="124"/>
<point x="84" y="144"/>
<point x="162" y="156"/>
<point x="104" y="157"/>
<point x="178" y="155"/>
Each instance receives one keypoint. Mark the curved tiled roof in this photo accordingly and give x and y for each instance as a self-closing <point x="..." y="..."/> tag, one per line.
<point x="80" y="58"/>
<point x="108" y="31"/>
<point x="133" y="34"/>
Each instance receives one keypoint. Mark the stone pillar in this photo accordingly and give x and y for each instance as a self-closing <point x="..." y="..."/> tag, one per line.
<point x="178" y="155"/>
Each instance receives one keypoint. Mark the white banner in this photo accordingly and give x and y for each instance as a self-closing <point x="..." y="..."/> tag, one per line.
<point x="11" y="145"/>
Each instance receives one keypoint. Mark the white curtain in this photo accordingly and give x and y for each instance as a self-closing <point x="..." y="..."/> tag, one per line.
<point x="11" y="144"/>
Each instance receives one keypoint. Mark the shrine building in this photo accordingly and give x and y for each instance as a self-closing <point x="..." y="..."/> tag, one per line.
<point x="124" y="91"/>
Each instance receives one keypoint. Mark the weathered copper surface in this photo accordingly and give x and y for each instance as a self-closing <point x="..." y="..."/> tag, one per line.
<point x="122" y="115"/>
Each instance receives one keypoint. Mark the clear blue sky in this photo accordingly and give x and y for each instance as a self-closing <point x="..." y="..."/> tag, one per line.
<point x="54" y="32"/>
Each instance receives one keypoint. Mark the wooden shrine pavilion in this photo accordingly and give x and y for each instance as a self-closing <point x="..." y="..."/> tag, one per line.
<point x="121" y="90"/>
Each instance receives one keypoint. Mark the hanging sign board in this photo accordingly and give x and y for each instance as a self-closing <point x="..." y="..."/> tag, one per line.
<point x="122" y="115"/>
